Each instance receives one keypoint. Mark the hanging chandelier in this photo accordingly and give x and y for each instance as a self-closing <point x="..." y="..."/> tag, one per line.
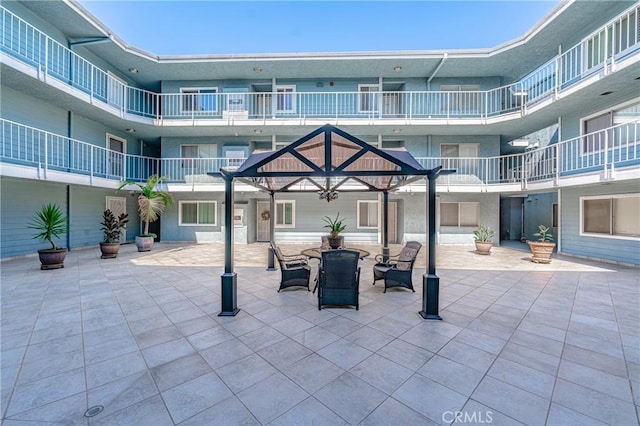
<point x="328" y="195"/>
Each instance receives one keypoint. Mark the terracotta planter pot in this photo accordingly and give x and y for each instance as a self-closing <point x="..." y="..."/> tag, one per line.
<point x="484" y="247"/>
<point x="109" y="250"/>
<point x="336" y="242"/>
<point x="144" y="243"/>
<point x="52" y="259"/>
<point x="541" y="251"/>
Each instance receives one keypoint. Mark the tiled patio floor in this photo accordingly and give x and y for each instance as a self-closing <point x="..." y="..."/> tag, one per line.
<point x="520" y="343"/>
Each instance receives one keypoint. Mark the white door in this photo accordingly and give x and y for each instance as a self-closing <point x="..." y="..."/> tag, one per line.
<point x="117" y="205"/>
<point x="262" y="225"/>
<point x="115" y="156"/>
<point x="393" y="222"/>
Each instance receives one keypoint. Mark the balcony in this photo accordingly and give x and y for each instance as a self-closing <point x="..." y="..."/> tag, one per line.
<point x="42" y="155"/>
<point x="600" y="52"/>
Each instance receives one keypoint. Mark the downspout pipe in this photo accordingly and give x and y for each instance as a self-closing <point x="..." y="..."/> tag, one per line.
<point x="433" y="74"/>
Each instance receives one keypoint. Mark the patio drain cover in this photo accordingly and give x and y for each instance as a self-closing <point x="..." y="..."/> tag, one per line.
<point x="94" y="411"/>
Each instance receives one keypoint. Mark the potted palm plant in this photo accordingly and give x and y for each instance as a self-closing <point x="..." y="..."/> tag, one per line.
<point x="112" y="227"/>
<point x="483" y="237"/>
<point x="336" y="226"/>
<point x="543" y="246"/>
<point x="151" y="203"/>
<point x="50" y="222"/>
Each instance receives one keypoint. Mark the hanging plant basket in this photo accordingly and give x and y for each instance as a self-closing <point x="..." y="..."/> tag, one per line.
<point x="265" y="215"/>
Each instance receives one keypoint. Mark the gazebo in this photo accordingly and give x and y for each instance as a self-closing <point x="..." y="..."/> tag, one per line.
<point x="329" y="161"/>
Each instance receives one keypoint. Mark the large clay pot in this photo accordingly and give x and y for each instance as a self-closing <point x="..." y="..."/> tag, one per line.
<point x="336" y="242"/>
<point x="52" y="259"/>
<point x="109" y="250"/>
<point x="541" y="251"/>
<point x="144" y="243"/>
<point x="484" y="247"/>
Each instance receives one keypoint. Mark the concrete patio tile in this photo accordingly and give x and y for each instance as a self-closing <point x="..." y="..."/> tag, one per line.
<point x="512" y="401"/>
<point x="481" y="341"/>
<point x="157" y="336"/>
<point x="382" y="373"/>
<point x="115" y="368"/>
<point x="350" y="397"/>
<point x="429" y="398"/>
<point x="344" y="354"/>
<point x="594" y="344"/>
<point x="66" y="411"/>
<point x="292" y="326"/>
<point x="458" y="377"/>
<point x="392" y="412"/>
<point x="44" y="391"/>
<point x="151" y="411"/>
<point x="121" y="393"/>
<point x="340" y="326"/>
<point x="230" y="411"/>
<point x="51" y="333"/>
<point x="180" y="370"/>
<point x="149" y="323"/>
<point x="606" y="363"/>
<point x="595" y="379"/>
<point x="262" y="338"/>
<point x="523" y="377"/>
<point x="283" y="394"/>
<point x="425" y="338"/>
<point x="475" y="413"/>
<point x="194" y="396"/>
<point x="390" y="326"/>
<point x="165" y="352"/>
<point x="562" y="416"/>
<point x="242" y="325"/>
<point x="210" y="337"/>
<point x="369" y="338"/>
<point x="531" y="358"/>
<point x="539" y="343"/>
<point x="309" y="412"/>
<point x="594" y="404"/>
<point x="467" y="355"/>
<point x="245" y="372"/>
<point x="56" y="364"/>
<point x="225" y="353"/>
<point x="284" y="353"/>
<point x="405" y="354"/>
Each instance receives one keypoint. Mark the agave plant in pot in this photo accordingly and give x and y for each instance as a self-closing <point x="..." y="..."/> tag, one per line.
<point x="50" y="223"/>
<point x="336" y="226"/>
<point x="112" y="227"/>
<point x="543" y="247"/>
<point x="483" y="237"/>
<point x="151" y="203"/>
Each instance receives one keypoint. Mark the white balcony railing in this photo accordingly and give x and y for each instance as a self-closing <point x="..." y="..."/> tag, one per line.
<point x="612" y="42"/>
<point x="615" y="147"/>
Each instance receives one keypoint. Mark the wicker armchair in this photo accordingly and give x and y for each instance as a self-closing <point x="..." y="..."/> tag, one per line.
<point x="294" y="268"/>
<point x="398" y="269"/>
<point x="339" y="278"/>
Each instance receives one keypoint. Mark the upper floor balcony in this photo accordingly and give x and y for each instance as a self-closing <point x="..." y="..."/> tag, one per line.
<point x="606" y="155"/>
<point x="599" y="53"/>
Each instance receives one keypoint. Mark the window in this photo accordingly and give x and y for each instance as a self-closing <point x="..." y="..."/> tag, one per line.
<point x="235" y="158"/>
<point x="595" y="137"/>
<point x="193" y="213"/>
<point x="554" y="218"/>
<point x="464" y="150"/>
<point x="285" y="98"/>
<point x="367" y="214"/>
<point x="468" y="101"/>
<point x="611" y="215"/>
<point x="368" y="97"/>
<point x="193" y="152"/>
<point x="459" y="214"/>
<point x="285" y="214"/>
<point x="199" y="99"/>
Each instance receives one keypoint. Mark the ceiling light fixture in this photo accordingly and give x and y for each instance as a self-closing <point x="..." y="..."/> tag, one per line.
<point x="605" y="93"/>
<point x="397" y="130"/>
<point x="257" y="69"/>
<point x="130" y="130"/>
<point x="520" y="142"/>
<point x="257" y="131"/>
<point x="133" y="70"/>
<point x="397" y="68"/>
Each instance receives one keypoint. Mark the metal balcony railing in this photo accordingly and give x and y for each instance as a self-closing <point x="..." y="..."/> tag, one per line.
<point x="599" y="51"/>
<point x="614" y="147"/>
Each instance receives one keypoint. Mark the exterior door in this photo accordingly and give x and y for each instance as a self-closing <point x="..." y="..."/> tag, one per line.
<point x="262" y="225"/>
<point x="117" y="205"/>
<point x="115" y="156"/>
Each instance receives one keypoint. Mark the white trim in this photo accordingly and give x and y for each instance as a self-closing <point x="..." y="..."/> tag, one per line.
<point x="359" y="203"/>
<point x="198" y="202"/>
<point x="118" y="138"/>
<point x="293" y="214"/>
<point x="292" y="94"/>
<point x="182" y="92"/>
<point x="600" y="235"/>
<point x="376" y="101"/>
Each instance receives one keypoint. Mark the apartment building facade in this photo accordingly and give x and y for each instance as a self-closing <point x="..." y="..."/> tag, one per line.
<point x="544" y="129"/>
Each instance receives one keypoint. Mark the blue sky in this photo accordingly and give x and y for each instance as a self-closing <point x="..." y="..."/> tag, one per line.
<point x="220" y="27"/>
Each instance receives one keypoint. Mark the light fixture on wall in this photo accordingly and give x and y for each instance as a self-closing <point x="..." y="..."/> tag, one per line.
<point x="328" y="195"/>
<point x="130" y="130"/>
<point x="520" y="142"/>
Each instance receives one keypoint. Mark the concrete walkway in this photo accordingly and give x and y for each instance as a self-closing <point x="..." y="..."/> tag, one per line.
<point x="139" y="335"/>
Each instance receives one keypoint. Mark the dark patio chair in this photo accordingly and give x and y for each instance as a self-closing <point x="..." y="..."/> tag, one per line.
<point x="397" y="269"/>
<point x="339" y="278"/>
<point x="295" y="270"/>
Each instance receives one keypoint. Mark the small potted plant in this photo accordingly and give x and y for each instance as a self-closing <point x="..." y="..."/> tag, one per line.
<point x="50" y="222"/>
<point x="151" y="203"/>
<point x="112" y="227"/>
<point x="336" y="226"/>
<point x="483" y="237"/>
<point x="543" y="246"/>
